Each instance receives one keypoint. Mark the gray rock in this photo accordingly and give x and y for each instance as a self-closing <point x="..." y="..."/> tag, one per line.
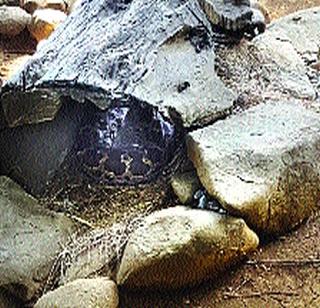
<point x="82" y="293"/>
<point x="13" y="20"/>
<point x="263" y="164"/>
<point x="185" y="185"/>
<point x="273" y="66"/>
<point x="30" y="238"/>
<point x="180" y="246"/>
<point x="301" y="29"/>
<point x="183" y="80"/>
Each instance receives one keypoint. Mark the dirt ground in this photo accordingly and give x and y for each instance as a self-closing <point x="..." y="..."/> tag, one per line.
<point x="284" y="272"/>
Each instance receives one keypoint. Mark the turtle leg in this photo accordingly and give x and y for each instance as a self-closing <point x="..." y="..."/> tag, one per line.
<point x="202" y="200"/>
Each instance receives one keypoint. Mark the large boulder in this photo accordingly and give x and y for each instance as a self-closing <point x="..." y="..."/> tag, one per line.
<point x="262" y="164"/>
<point x="30" y="237"/>
<point x="82" y="293"/>
<point x="180" y="246"/>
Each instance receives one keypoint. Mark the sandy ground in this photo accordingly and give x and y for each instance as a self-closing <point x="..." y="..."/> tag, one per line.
<point x="284" y="272"/>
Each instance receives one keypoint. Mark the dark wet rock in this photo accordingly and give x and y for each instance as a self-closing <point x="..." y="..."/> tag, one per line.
<point x="180" y="246"/>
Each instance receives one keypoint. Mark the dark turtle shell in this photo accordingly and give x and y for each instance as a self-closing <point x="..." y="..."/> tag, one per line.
<point x="126" y="145"/>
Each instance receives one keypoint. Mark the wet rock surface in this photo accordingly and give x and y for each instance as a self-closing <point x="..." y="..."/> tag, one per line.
<point x="180" y="246"/>
<point x="82" y="293"/>
<point x="30" y="239"/>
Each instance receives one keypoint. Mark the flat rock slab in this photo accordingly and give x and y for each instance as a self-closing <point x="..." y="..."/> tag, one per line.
<point x="180" y="246"/>
<point x="263" y="164"/>
<point x="82" y="293"/>
<point x="30" y="238"/>
<point x="184" y="80"/>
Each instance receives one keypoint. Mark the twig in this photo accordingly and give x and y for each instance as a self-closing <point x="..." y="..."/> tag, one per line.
<point x="303" y="262"/>
<point x="82" y="221"/>
<point x="260" y="294"/>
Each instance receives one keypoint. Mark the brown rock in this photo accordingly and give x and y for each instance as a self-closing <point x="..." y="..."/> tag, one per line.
<point x="32" y="5"/>
<point x="13" y="20"/>
<point x="44" y="22"/>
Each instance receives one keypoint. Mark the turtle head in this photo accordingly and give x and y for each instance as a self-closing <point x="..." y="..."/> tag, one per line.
<point x="127" y="144"/>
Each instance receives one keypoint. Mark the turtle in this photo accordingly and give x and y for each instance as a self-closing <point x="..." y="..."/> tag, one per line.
<point x="73" y="110"/>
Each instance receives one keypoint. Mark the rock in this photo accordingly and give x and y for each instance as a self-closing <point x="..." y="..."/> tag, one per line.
<point x="82" y="293"/>
<point x="271" y="66"/>
<point x="32" y="5"/>
<point x="180" y="246"/>
<point x="233" y="15"/>
<point x="13" y="20"/>
<point x="44" y="22"/>
<point x="72" y="5"/>
<point x="301" y="29"/>
<point x="263" y="164"/>
<point x="10" y="2"/>
<point x="30" y="237"/>
<point x="185" y="185"/>
<point x="184" y="80"/>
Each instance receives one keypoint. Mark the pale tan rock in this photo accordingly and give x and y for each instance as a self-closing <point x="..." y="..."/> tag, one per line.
<point x="185" y="185"/>
<point x="82" y="293"/>
<point x="32" y="5"/>
<point x="30" y="239"/>
<point x="180" y="246"/>
<point x="262" y="164"/>
<point x="184" y="80"/>
<point x="13" y="20"/>
<point x="44" y="22"/>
